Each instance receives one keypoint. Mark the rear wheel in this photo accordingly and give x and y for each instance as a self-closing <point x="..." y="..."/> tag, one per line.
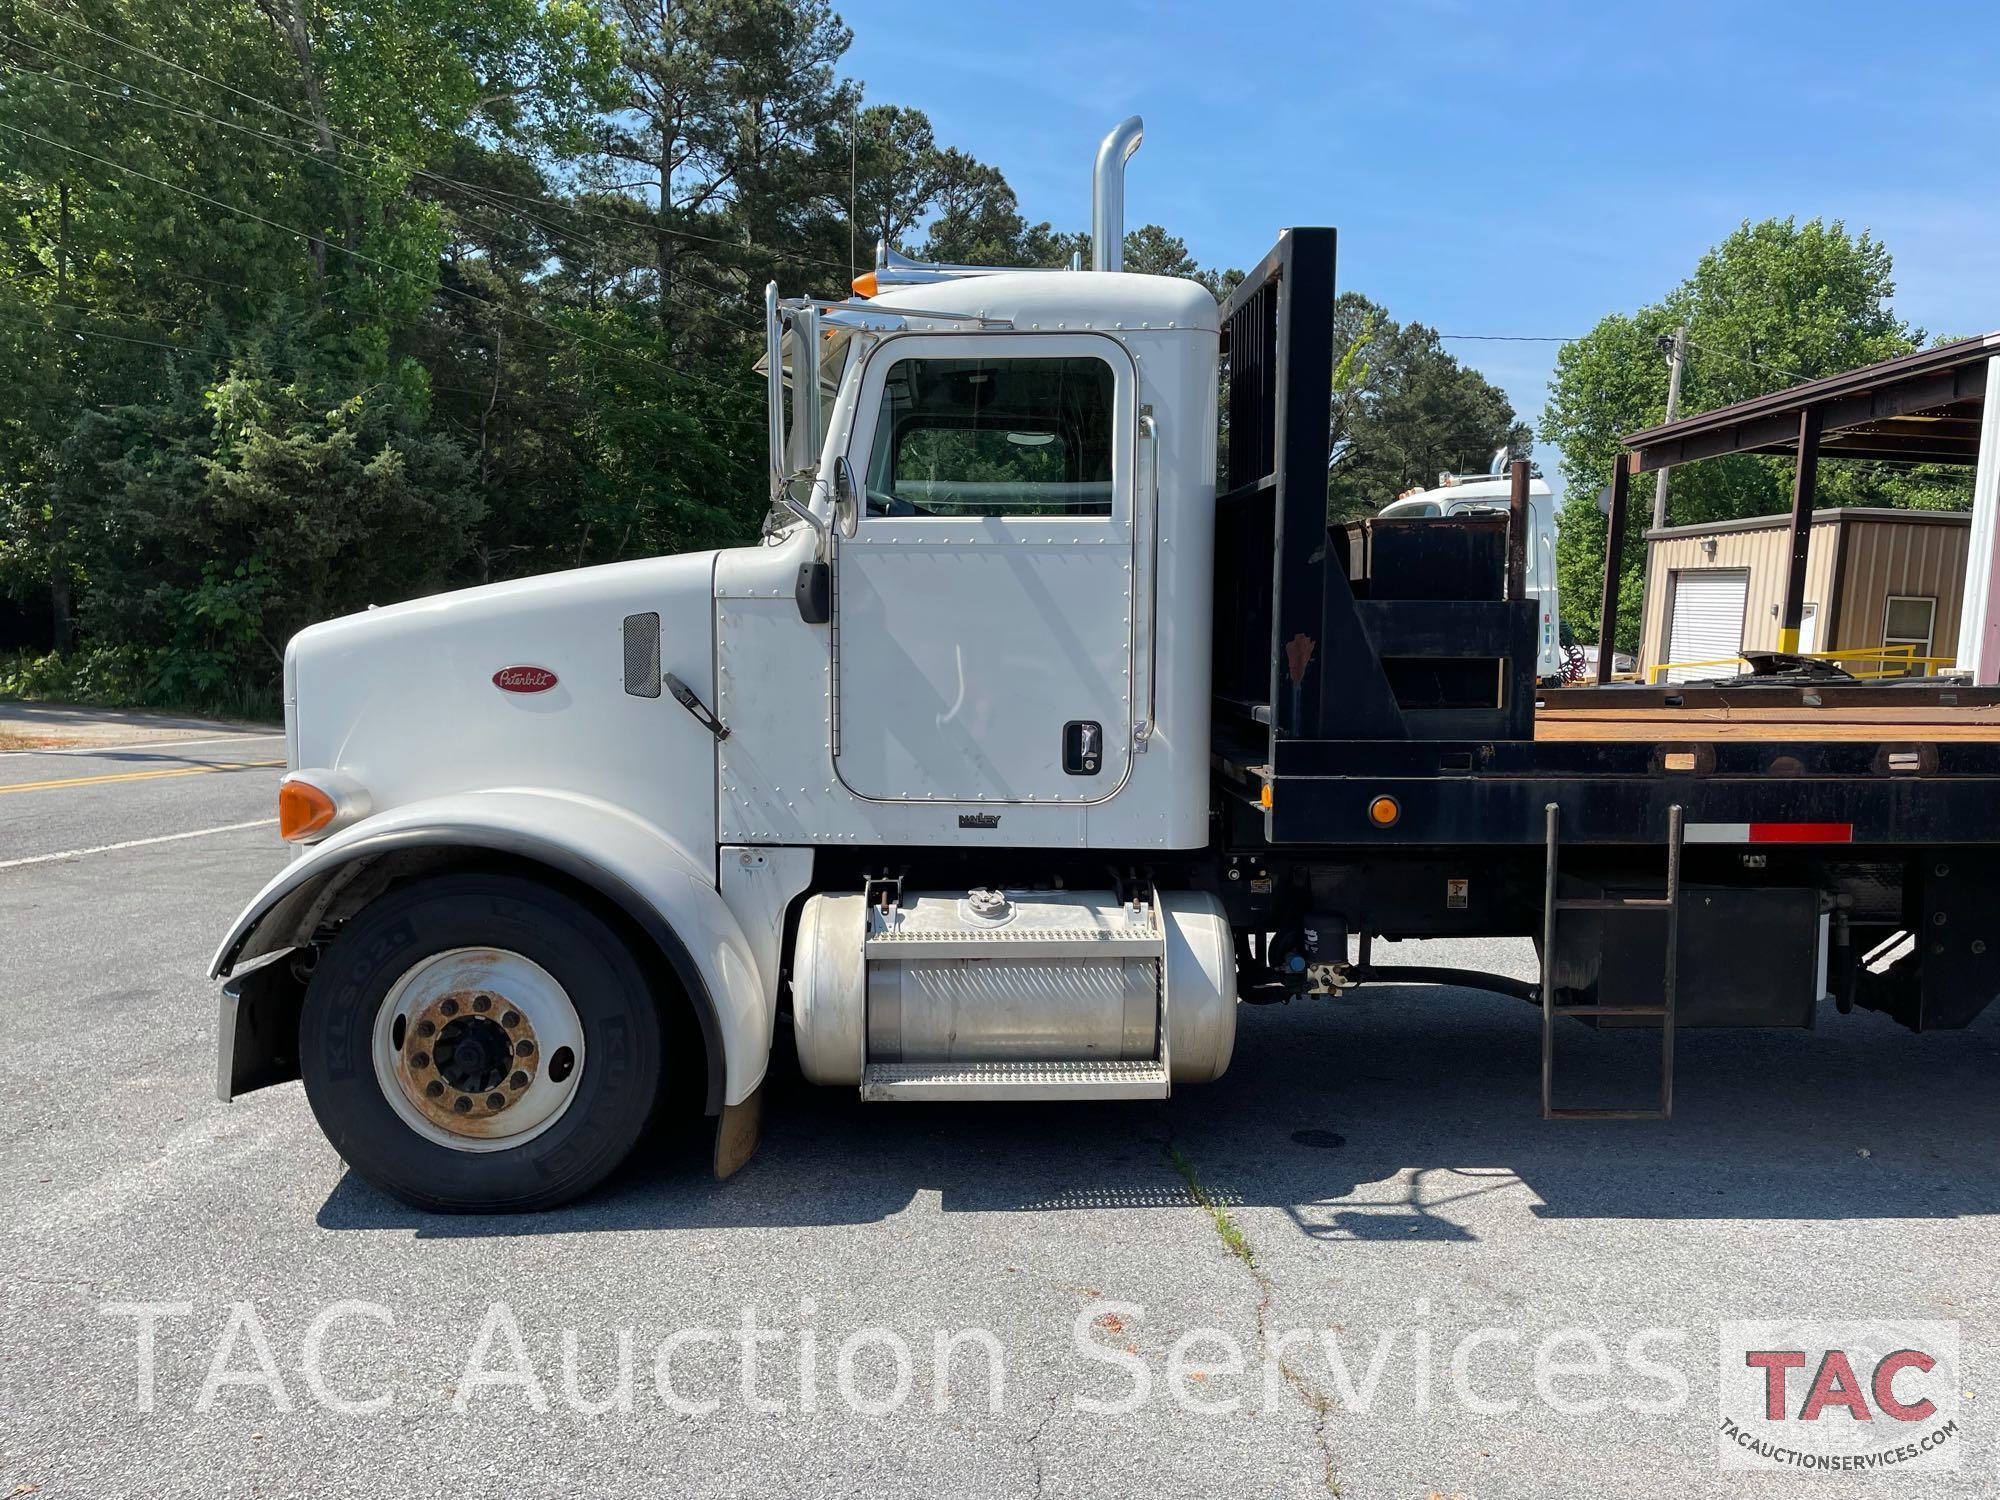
<point x="480" y="1043"/>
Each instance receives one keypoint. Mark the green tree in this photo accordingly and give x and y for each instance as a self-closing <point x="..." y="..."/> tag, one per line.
<point x="718" y="101"/>
<point x="310" y="306"/>
<point x="217" y="522"/>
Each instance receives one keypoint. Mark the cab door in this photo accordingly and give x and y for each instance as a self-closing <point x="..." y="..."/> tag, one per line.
<point x="983" y="647"/>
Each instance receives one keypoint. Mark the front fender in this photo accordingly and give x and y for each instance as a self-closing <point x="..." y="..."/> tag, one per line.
<point x="658" y="884"/>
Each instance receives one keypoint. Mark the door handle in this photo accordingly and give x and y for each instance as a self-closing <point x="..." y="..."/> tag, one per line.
<point x="1083" y="747"/>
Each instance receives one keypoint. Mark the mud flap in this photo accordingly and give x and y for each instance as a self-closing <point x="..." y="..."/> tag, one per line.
<point x="257" y="1030"/>
<point x="737" y="1131"/>
<point x="1959" y="946"/>
<point x="1952" y="970"/>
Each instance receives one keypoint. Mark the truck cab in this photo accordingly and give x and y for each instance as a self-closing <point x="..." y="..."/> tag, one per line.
<point x="894" y="771"/>
<point x="1047" y="720"/>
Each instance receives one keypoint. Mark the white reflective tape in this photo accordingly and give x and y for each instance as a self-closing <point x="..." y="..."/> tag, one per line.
<point x="1716" y="833"/>
<point x="1769" y="833"/>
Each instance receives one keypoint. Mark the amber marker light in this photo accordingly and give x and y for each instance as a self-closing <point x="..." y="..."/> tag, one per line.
<point x="864" y="284"/>
<point x="303" y="810"/>
<point x="1384" y="811"/>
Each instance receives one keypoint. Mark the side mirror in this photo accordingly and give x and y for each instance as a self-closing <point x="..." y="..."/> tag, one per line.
<point x="846" y="497"/>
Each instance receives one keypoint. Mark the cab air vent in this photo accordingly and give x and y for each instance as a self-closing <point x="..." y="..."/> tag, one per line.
<point x="642" y="655"/>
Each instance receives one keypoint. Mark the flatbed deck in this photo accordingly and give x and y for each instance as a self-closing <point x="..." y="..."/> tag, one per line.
<point x="1754" y="723"/>
<point x="1768" y="711"/>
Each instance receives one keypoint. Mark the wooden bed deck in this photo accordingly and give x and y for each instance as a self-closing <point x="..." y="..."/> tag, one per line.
<point x="1656" y="723"/>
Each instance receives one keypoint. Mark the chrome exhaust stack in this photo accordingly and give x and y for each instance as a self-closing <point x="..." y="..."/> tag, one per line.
<point x="1107" y="194"/>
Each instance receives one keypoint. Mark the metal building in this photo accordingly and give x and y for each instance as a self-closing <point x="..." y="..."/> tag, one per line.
<point x="1875" y="580"/>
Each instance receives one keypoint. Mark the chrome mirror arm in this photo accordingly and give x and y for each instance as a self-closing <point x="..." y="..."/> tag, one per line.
<point x="802" y="509"/>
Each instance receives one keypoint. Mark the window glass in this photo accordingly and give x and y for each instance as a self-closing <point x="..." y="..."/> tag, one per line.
<point x="993" y="437"/>
<point x="1909" y="620"/>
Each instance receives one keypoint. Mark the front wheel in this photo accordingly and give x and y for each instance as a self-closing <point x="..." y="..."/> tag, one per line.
<point x="480" y="1044"/>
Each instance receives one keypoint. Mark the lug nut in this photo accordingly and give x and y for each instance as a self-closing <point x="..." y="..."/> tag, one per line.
<point x="433" y="1089"/>
<point x="461" y="1104"/>
<point x="420" y="1059"/>
<point x="425" y="1028"/>
<point x="523" y="1048"/>
<point x="496" y="1101"/>
<point x="518" y="1081"/>
<point x="482" y="1003"/>
<point x="449" y="1008"/>
<point x="511" y="1019"/>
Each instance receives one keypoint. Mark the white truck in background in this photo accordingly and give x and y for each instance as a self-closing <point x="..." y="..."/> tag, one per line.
<point x="1474" y="494"/>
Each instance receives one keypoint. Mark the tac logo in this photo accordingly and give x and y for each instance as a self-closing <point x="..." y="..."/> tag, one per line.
<point x="1839" y="1397"/>
<point x="524" y="679"/>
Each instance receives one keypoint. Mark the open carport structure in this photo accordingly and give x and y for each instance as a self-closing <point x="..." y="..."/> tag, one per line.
<point x="1925" y="407"/>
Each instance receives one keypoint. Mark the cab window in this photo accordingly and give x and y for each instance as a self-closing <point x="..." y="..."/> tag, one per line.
<point x="993" y="437"/>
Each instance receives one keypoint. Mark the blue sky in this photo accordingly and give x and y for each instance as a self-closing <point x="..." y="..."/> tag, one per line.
<point x="1496" y="168"/>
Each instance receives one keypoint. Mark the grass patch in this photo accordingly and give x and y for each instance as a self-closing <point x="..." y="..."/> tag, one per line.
<point x="1225" y="1223"/>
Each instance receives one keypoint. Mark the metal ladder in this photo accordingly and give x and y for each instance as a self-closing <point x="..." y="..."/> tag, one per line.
<point x="1668" y="905"/>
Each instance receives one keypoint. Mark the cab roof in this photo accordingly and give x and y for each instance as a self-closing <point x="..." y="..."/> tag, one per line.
<point x="1070" y="301"/>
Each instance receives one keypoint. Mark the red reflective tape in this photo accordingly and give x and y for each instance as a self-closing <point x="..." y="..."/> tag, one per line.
<point x="1801" y="833"/>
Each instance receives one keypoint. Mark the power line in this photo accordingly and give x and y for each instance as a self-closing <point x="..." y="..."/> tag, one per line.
<point x="1744" y="359"/>
<point x="742" y="424"/>
<point x="91" y="333"/>
<point x="366" y="259"/>
<point x="1555" y="338"/>
<point x="161" y="101"/>
<point x="378" y="152"/>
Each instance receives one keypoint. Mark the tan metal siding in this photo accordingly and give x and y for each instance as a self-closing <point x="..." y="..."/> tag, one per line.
<point x="1820" y="559"/>
<point x="1925" y="559"/>
<point x="1765" y="551"/>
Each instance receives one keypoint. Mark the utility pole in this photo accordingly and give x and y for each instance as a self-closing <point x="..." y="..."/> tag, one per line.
<point x="1675" y="350"/>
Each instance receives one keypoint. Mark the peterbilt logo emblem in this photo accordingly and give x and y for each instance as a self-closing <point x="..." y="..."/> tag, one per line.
<point x="524" y="679"/>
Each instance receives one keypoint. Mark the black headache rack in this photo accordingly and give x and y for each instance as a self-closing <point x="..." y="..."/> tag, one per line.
<point x="1395" y="659"/>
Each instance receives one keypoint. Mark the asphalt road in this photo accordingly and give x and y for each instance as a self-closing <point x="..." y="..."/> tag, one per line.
<point x="1373" y="1177"/>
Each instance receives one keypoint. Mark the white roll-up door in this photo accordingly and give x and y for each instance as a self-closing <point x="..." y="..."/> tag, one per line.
<point x="1707" y="619"/>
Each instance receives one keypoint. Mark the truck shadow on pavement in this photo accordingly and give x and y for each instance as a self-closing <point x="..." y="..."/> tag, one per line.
<point x="1398" y="1115"/>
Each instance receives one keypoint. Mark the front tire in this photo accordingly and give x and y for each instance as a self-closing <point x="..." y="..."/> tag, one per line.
<point x="480" y="1044"/>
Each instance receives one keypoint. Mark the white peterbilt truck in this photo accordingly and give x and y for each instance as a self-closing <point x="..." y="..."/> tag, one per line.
<point x="1023" y="740"/>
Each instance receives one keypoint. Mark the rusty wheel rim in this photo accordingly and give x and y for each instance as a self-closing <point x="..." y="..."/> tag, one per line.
<point x="478" y="1049"/>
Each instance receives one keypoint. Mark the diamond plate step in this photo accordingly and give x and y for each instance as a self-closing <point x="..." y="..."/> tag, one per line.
<point x="1020" y="1080"/>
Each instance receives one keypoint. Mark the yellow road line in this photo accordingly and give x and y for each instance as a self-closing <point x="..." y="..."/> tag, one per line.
<point x="235" y="765"/>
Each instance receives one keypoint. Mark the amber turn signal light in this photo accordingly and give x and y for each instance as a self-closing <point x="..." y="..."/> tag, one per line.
<point x="1384" y="811"/>
<point x="303" y="810"/>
